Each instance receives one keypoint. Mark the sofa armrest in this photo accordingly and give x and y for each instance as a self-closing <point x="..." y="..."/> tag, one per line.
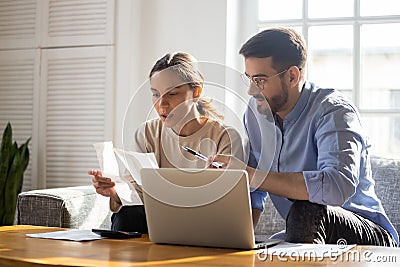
<point x="78" y="207"/>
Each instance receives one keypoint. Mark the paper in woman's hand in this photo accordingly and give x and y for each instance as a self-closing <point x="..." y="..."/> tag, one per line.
<point x="135" y="161"/>
<point x="108" y="162"/>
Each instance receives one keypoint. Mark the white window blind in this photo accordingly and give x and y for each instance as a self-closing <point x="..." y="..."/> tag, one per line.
<point x="77" y="90"/>
<point x="18" y="23"/>
<point x="19" y="75"/>
<point x="77" y="22"/>
<point x="56" y="84"/>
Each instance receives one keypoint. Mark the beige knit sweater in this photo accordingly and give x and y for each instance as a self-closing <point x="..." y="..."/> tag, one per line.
<point x="213" y="138"/>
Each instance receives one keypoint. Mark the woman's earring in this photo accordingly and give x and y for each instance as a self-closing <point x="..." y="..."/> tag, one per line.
<point x="197" y="92"/>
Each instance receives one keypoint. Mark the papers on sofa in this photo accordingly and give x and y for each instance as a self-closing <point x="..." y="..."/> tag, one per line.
<point x="134" y="162"/>
<point x="70" y="235"/>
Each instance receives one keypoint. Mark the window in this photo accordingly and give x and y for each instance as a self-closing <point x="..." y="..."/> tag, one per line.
<point x="353" y="47"/>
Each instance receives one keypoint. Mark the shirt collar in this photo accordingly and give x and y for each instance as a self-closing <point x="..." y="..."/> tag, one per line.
<point x="301" y="103"/>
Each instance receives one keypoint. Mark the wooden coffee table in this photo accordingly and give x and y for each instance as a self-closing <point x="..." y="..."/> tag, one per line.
<point x="16" y="249"/>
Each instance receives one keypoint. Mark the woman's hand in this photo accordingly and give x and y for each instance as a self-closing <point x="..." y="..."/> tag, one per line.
<point x="104" y="185"/>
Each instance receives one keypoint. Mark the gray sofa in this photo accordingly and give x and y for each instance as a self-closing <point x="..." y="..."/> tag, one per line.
<point x="80" y="207"/>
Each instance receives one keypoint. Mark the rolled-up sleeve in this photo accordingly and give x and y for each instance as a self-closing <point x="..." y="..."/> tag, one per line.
<point x="339" y="148"/>
<point x="329" y="187"/>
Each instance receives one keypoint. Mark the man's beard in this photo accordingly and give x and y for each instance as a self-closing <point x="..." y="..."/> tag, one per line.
<point x="276" y="103"/>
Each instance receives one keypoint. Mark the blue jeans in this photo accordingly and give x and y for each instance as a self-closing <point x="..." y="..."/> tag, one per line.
<point x="314" y="223"/>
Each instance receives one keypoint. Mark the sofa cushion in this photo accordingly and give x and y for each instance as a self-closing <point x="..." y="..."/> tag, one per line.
<point x="77" y="207"/>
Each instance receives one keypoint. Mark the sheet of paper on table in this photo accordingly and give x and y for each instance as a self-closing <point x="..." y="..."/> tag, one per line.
<point x="71" y="235"/>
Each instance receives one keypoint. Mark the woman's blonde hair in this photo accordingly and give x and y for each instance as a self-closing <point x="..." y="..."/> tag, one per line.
<point x="184" y="65"/>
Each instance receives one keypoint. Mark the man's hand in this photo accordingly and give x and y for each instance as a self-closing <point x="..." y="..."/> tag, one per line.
<point x="104" y="185"/>
<point x="229" y="162"/>
<point x="256" y="177"/>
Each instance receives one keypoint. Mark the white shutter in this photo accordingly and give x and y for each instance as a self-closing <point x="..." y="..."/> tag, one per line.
<point x="77" y="105"/>
<point x="19" y="77"/>
<point x="77" y="22"/>
<point x="18" y="23"/>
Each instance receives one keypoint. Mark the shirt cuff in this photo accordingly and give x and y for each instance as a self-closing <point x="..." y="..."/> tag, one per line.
<point x="314" y="180"/>
<point x="258" y="198"/>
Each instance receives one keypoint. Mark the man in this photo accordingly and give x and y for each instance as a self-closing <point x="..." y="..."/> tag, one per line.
<point x="319" y="176"/>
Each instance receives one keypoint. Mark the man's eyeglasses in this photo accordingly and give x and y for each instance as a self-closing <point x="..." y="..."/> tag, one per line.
<point x="259" y="80"/>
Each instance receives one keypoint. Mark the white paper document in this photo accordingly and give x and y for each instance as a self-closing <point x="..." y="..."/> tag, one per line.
<point x="135" y="161"/>
<point x="107" y="161"/>
<point x="70" y="235"/>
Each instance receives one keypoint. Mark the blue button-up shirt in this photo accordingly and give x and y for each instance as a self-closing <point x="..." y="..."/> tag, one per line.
<point x="321" y="137"/>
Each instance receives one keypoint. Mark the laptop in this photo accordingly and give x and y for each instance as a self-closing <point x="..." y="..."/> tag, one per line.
<point x="199" y="207"/>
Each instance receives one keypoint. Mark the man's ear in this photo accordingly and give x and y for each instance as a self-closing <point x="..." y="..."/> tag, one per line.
<point x="294" y="75"/>
<point x="197" y="91"/>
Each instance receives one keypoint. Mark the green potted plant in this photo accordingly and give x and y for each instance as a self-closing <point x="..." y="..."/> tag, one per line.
<point x="13" y="163"/>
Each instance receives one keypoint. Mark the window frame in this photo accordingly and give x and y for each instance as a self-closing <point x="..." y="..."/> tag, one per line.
<point x="370" y="114"/>
<point x="356" y="21"/>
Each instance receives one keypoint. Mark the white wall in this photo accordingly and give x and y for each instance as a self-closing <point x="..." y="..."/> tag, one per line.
<point x="210" y="30"/>
<point x="197" y="27"/>
<point x="146" y="30"/>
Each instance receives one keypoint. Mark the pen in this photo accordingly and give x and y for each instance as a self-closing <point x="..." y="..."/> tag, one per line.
<point x="201" y="156"/>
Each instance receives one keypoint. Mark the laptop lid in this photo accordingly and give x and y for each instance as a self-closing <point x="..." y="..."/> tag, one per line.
<point x="200" y="207"/>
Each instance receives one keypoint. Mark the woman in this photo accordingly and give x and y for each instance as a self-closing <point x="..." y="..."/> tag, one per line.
<point x="185" y="119"/>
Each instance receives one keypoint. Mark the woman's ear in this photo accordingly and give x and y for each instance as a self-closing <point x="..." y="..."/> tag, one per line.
<point x="197" y="91"/>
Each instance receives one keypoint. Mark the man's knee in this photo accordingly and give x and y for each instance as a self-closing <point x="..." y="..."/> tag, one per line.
<point x="304" y="210"/>
<point x="303" y="221"/>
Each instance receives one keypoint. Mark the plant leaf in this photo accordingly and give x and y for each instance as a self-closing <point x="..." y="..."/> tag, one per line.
<point x="24" y="152"/>
<point x="13" y="162"/>
<point x="10" y="193"/>
<point x="6" y="143"/>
